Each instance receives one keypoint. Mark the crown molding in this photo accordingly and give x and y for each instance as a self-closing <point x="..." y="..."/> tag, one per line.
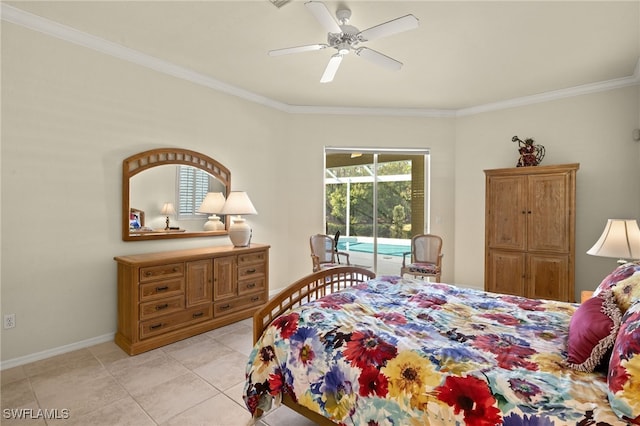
<point x="37" y="23"/>
<point x="552" y="95"/>
<point x="45" y="26"/>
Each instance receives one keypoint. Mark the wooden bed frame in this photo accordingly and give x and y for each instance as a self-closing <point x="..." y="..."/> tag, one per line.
<point x="300" y="292"/>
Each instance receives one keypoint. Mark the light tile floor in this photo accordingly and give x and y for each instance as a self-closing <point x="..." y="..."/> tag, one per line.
<point x="197" y="381"/>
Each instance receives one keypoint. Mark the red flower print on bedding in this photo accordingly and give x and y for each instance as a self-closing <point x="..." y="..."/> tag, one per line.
<point x="472" y="397"/>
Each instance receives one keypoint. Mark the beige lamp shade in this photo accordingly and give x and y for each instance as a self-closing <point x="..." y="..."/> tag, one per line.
<point x="620" y="238"/>
<point x="238" y="203"/>
<point x="212" y="203"/>
<point x="167" y="210"/>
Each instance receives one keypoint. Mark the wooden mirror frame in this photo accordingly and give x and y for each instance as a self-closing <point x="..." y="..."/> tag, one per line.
<point x="137" y="163"/>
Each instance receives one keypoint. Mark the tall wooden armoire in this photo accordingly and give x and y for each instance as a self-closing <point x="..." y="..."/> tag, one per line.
<point x="530" y="231"/>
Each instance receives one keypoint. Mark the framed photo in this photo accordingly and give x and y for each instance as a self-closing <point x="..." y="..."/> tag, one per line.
<point x="136" y="219"/>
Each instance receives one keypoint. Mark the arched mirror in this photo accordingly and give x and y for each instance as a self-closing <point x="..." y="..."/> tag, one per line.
<point x="163" y="191"/>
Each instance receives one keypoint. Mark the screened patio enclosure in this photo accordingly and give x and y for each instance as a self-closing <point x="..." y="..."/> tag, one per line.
<point x="377" y="199"/>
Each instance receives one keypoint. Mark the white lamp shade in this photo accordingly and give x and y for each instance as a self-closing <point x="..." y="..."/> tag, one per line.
<point x="168" y="209"/>
<point x="238" y="202"/>
<point x="212" y="203"/>
<point x="620" y="238"/>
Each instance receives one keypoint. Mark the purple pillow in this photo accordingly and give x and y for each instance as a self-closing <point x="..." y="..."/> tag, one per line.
<point x="592" y="331"/>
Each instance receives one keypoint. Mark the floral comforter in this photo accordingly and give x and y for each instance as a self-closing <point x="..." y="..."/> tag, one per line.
<point x="396" y="351"/>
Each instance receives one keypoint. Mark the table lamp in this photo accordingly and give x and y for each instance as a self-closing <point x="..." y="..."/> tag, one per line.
<point x="238" y="203"/>
<point x="620" y="238"/>
<point x="212" y="204"/>
<point x="167" y="210"/>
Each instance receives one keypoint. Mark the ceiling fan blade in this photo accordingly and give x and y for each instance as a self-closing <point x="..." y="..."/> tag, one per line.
<point x="379" y="59"/>
<point x="297" y="49"/>
<point x="398" y="25"/>
<point x="331" y="69"/>
<point x="322" y="15"/>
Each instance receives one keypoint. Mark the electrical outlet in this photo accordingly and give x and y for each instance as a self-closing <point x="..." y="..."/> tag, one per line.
<point x="9" y="320"/>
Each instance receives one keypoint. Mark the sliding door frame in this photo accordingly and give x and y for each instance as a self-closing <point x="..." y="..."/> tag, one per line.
<point x="425" y="152"/>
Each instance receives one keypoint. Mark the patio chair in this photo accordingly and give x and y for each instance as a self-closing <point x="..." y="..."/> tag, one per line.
<point x="324" y="252"/>
<point x="426" y="257"/>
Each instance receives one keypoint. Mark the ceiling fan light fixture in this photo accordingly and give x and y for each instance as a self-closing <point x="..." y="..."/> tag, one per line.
<point x="346" y="38"/>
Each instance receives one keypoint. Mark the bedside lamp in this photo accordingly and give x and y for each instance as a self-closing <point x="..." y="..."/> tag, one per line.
<point x="212" y="204"/>
<point x="167" y="210"/>
<point x="620" y="238"/>
<point x="238" y="203"/>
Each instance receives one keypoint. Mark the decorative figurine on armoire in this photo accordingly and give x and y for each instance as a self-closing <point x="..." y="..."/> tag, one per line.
<point x="531" y="154"/>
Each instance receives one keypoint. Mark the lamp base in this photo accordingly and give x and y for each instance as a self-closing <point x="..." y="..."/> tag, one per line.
<point x="239" y="232"/>
<point x="214" y="224"/>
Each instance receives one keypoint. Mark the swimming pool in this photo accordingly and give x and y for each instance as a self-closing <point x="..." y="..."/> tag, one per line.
<point x="365" y="247"/>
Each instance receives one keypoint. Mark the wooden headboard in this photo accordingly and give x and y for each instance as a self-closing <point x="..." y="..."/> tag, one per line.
<point x="307" y="289"/>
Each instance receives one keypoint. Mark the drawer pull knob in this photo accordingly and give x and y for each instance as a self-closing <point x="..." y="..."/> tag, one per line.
<point x="155" y="326"/>
<point x="198" y="314"/>
<point x="251" y="271"/>
<point x="255" y="298"/>
<point x="251" y="285"/>
<point x="227" y="306"/>
<point x="175" y="269"/>
<point x="163" y="288"/>
<point x="161" y="307"/>
<point x="148" y="274"/>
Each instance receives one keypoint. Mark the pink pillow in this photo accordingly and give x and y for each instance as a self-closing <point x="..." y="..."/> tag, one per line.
<point x="592" y="331"/>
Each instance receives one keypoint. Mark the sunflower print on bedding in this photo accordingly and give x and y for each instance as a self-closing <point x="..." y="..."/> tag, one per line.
<point x="401" y="351"/>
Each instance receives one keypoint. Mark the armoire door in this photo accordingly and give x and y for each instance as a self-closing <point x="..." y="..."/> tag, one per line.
<point x="548" y="222"/>
<point x="506" y="272"/>
<point x="506" y="209"/>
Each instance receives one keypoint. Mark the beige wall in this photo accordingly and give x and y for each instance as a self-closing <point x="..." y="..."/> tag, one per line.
<point x="594" y="130"/>
<point x="308" y="135"/>
<point x="71" y="115"/>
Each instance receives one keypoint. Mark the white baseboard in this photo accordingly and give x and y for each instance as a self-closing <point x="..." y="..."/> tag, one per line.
<point x="15" y="362"/>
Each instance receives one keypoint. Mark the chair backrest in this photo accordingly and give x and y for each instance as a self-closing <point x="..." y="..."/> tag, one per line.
<point x="323" y="247"/>
<point x="426" y="248"/>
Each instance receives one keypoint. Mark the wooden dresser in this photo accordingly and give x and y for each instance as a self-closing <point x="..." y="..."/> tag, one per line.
<point x="168" y="296"/>
<point x="530" y="231"/>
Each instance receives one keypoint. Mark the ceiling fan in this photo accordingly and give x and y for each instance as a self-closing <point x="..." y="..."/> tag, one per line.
<point x="346" y="38"/>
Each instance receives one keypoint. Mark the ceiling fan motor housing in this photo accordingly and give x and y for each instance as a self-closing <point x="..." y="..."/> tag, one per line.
<point x="346" y="40"/>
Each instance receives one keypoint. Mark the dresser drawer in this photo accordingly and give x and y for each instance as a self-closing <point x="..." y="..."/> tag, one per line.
<point x="247" y="271"/>
<point x="166" y="323"/>
<point x="237" y="304"/>
<point x="251" y="285"/>
<point x="151" y="273"/>
<point x="258" y="257"/>
<point x="161" y="307"/>
<point x="164" y="288"/>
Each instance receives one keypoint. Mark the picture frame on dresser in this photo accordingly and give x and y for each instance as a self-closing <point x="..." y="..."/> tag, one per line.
<point x="136" y="218"/>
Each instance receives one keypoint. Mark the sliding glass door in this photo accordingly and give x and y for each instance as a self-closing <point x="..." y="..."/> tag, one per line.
<point x="376" y="200"/>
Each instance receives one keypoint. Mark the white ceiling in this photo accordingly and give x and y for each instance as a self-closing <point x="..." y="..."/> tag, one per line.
<point x="463" y="55"/>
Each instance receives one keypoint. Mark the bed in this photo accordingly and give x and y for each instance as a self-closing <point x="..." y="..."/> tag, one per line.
<point x="344" y="347"/>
